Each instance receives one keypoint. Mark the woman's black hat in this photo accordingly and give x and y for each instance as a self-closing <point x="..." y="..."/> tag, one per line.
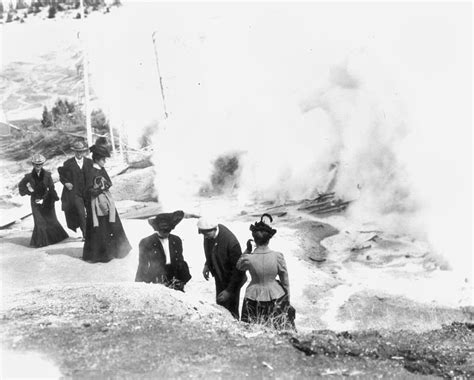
<point x="166" y="221"/>
<point x="263" y="226"/>
<point x="99" y="151"/>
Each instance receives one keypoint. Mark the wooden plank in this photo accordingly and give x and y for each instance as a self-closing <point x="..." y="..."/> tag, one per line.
<point x="8" y="219"/>
<point x="316" y="205"/>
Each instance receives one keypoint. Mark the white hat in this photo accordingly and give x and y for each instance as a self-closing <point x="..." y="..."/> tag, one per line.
<point x="206" y="224"/>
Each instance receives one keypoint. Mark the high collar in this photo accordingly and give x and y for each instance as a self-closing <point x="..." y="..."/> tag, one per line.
<point x="262" y="249"/>
<point x="36" y="175"/>
<point x="161" y="237"/>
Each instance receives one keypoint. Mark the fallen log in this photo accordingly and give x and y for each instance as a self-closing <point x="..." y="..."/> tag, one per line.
<point x="329" y="206"/>
<point x="321" y="197"/>
<point x="330" y="210"/>
<point x="316" y="205"/>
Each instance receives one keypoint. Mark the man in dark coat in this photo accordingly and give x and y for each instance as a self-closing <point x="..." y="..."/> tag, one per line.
<point x="71" y="175"/>
<point x="161" y="258"/>
<point x="222" y="250"/>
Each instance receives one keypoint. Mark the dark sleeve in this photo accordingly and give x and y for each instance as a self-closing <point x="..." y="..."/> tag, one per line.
<point x="182" y="271"/>
<point x="51" y="189"/>
<point x="22" y="186"/>
<point x="179" y="252"/>
<point x="89" y="190"/>
<point x="64" y="174"/>
<point x="106" y="175"/>
<point x="207" y="263"/>
<point x="283" y="273"/>
<point x="237" y="278"/>
<point x="142" y="270"/>
<point x="243" y="263"/>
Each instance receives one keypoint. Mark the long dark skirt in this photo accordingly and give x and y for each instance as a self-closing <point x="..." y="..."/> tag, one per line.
<point x="278" y="313"/>
<point x="105" y="242"/>
<point x="47" y="229"/>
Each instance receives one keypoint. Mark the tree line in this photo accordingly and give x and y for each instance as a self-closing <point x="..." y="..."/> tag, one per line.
<point x="19" y="10"/>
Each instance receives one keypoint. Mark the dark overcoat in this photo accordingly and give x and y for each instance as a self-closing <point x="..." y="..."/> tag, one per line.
<point x="73" y="200"/>
<point x="222" y="255"/>
<point x="47" y="229"/>
<point x="152" y="265"/>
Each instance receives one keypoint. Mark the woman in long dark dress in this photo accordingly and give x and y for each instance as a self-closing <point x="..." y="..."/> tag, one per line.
<point x="40" y="187"/>
<point x="105" y="237"/>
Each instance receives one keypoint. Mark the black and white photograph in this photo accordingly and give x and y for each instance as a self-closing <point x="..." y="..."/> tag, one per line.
<point x="236" y="189"/>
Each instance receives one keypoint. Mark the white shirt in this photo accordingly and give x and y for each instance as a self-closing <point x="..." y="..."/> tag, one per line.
<point x="80" y="162"/>
<point x="166" y="248"/>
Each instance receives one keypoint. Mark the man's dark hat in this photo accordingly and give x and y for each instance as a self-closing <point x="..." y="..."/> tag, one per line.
<point x="99" y="151"/>
<point x="166" y="221"/>
<point x="263" y="226"/>
<point x="79" y="146"/>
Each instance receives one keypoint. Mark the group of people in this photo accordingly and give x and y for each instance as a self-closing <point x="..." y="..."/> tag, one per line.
<point x="86" y="202"/>
<point x="89" y="206"/>
<point x="266" y="301"/>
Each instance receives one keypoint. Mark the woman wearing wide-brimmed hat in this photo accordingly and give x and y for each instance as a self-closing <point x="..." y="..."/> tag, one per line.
<point x="105" y="237"/>
<point x="40" y="187"/>
<point x="267" y="300"/>
<point x="161" y="258"/>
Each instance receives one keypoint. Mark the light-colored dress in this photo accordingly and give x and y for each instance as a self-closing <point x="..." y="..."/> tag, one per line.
<point x="267" y="300"/>
<point x="264" y="265"/>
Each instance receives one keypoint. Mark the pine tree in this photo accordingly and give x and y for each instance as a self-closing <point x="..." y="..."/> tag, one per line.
<point x="52" y="11"/>
<point x="47" y="120"/>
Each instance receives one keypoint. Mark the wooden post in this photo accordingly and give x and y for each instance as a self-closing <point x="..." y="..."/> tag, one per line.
<point x="153" y="37"/>
<point x="112" y="137"/>
<point x="85" y="67"/>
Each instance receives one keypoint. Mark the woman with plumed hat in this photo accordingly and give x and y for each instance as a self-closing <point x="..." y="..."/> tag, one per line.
<point x="105" y="237"/>
<point x="161" y="258"/>
<point x="267" y="300"/>
<point x="40" y="187"/>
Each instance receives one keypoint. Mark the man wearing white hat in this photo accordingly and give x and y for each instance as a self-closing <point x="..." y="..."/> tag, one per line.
<point x="222" y="250"/>
<point x="71" y="175"/>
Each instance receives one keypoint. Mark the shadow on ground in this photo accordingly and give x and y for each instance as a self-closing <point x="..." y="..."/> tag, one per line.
<point x="19" y="240"/>
<point x="75" y="253"/>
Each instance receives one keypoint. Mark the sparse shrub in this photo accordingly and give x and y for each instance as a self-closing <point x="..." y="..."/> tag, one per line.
<point x="9" y="17"/>
<point x="99" y="122"/>
<point x="60" y="109"/>
<point x="21" y="4"/>
<point x="46" y="120"/>
<point x="146" y="137"/>
<point x="52" y="12"/>
<point x="36" y="7"/>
